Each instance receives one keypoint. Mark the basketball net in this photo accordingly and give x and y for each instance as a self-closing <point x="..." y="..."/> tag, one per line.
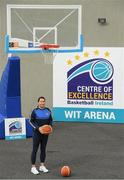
<point x="49" y="56"/>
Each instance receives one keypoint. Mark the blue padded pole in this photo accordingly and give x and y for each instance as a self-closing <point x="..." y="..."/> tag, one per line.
<point x="10" y="93"/>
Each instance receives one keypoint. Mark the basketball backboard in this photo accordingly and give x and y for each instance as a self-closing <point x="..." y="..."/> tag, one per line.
<point x="29" y="26"/>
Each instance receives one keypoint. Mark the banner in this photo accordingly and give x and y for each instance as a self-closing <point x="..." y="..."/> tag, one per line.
<point x="15" y="128"/>
<point x="89" y="86"/>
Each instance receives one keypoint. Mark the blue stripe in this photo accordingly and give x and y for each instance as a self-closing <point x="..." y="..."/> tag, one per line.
<point x="30" y="51"/>
<point x="6" y="47"/>
<point x="15" y="137"/>
<point x="59" y="115"/>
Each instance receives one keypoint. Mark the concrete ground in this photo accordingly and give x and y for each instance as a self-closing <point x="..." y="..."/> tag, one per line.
<point x="93" y="151"/>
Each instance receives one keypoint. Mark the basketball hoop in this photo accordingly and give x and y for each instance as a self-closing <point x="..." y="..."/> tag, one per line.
<point x="49" y="57"/>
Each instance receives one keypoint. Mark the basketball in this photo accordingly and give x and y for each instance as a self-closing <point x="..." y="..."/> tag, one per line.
<point x="65" y="171"/>
<point x="45" y="129"/>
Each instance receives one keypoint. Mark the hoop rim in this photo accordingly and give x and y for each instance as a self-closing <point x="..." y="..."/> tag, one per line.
<point x="49" y="46"/>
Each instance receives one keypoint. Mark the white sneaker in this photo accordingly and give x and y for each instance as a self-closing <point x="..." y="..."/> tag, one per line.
<point x="43" y="169"/>
<point x="34" y="170"/>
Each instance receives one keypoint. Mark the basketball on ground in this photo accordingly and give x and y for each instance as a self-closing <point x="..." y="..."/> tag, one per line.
<point x="65" y="171"/>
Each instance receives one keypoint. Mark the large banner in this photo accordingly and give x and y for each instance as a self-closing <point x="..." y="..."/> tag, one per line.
<point x="15" y="128"/>
<point x="89" y="86"/>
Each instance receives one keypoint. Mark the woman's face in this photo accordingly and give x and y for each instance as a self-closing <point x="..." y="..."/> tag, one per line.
<point x="41" y="103"/>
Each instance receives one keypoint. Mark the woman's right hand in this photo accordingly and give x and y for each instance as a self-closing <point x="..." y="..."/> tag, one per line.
<point x="40" y="130"/>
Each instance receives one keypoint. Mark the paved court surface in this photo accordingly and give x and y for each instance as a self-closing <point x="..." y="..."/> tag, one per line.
<point x="93" y="151"/>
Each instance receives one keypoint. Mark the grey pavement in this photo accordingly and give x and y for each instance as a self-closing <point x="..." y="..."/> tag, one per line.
<point x="93" y="151"/>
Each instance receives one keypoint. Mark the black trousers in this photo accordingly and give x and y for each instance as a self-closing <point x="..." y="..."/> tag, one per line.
<point x="39" y="139"/>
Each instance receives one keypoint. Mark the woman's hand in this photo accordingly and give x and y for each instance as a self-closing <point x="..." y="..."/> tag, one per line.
<point x="41" y="130"/>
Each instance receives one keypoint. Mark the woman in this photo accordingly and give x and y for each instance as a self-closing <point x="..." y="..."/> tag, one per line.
<point x="40" y="116"/>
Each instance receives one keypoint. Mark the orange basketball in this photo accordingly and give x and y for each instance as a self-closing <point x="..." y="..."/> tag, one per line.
<point x="46" y="129"/>
<point x="65" y="171"/>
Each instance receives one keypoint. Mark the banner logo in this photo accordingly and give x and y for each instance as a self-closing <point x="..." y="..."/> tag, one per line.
<point x="92" y="81"/>
<point x="15" y="127"/>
